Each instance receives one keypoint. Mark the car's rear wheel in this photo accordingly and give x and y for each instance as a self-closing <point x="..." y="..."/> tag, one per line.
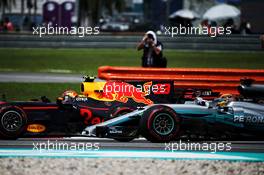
<point x="121" y="111"/>
<point x="160" y="124"/>
<point x="12" y="122"/>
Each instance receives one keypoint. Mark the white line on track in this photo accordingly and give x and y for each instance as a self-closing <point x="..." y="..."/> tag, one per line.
<point x="133" y="154"/>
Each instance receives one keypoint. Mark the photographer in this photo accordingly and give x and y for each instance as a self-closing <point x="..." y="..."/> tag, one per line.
<point x="152" y="51"/>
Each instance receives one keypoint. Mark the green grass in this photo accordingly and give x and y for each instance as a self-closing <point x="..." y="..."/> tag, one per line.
<point x="27" y="91"/>
<point x="86" y="61"/>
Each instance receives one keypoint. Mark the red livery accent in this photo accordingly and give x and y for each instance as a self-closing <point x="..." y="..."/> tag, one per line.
<point x="122" y="91"/>
<point x="2" y="102"/>
<point x="161" y="88"/>
<point x="96" y="120"/>
<point x="87" y="114"/>
<point x="40" y="107"/>
<point x="100" y="109"/>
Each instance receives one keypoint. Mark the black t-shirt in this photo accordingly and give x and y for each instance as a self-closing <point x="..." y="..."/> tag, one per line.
<point x="150" y="58"/>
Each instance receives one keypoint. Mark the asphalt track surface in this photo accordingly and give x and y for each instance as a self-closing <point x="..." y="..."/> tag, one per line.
<point x="136" y="144"/>
<point x="40" y="77"/>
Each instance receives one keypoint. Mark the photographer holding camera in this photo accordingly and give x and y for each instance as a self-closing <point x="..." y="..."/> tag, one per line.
<point x="152" y="51"/>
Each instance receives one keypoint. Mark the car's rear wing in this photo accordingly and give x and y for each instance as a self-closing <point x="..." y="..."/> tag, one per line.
<point x="248" y="89"/>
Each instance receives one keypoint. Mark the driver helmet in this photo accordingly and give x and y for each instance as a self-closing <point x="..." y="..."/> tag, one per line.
<point x="70" y="93"/>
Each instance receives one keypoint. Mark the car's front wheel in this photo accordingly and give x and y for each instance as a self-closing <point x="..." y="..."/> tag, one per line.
<point x="12" y="122"/>
<point x="160" y="124"/>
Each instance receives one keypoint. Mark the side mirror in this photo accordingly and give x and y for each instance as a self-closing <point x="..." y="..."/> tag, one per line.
<point x="222" y="110"/>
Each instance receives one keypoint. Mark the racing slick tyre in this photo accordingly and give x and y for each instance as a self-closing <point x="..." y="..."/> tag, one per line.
<point x="12" y="122"/>
<point x="160" y="124"/>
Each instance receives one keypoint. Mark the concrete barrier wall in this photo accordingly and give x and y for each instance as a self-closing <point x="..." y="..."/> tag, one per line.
<point x="232" y="42"/>
<point x="220" y="80"/>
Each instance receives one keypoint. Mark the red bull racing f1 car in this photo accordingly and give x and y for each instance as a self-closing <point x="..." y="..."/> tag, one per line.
<point x="71" y="113"/>
<point x="229" y="117"/>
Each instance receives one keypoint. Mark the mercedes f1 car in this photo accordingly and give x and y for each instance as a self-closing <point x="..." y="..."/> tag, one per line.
<point x="227" y="117"/>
